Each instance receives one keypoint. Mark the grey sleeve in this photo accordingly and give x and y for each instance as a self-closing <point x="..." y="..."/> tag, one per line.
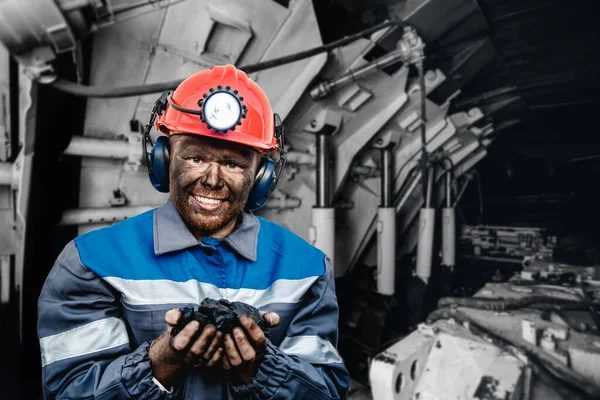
<point x="85" y="347"/>
<point x="306" y="365"/>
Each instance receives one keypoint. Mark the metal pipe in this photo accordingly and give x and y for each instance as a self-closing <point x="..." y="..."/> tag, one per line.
<point x="84" y="216"/>
<point x="449" y="189"/>
<point x="282" y="203"/>
<point x="469" y="178"/>
<point x="6" y="173"/>
<point x="322" y="89"/>
<point x="386" y="177"/>
<point x="300" y="157"/>
<point x="322" y="171"/>
<point x="119" y="149"/>
<point x="96" y="147"/>
<point x="429" y="188"/>
<point x="366" y="172"/>
<point x="405" y="195"/>
<point x="72" y="5"/>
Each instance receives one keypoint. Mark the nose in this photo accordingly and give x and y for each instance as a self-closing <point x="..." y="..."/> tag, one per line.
<point x="212" y="178"/>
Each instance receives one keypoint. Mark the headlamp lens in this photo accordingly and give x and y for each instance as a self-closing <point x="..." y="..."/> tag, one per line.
<point x="222" y="110"/>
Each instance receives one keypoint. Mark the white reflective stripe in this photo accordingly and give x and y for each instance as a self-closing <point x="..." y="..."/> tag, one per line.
<point x="281" y="291"/>
<point x="96" y="336"/>
<point x="313" y="349"/>
<point x="162" y="291"/>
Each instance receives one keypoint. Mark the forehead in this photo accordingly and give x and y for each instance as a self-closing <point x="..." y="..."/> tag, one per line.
<point x="182" y="142"/>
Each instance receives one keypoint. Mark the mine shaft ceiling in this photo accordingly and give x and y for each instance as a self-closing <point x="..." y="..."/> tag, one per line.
<point x="547" y="54"/>
<point x="548" y="51"/>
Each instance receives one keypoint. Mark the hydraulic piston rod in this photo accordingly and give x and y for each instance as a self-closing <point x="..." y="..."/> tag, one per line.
<point x="322" y="171"/>
<point x="426" y="230"/>
<point x="322" y="231"/>
<point x="448" y="226"/>
<point x="6" y="173"/>
<point x="386" y="230"/>
<point x="324" y="88"/>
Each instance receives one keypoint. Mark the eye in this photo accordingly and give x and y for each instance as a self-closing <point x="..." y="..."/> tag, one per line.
<point x="195" y="160"/>
<point x="232" y="165"/>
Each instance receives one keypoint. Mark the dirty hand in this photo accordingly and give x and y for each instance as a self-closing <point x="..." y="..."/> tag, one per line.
<point x="169" y="355"/>
<point x="246" y="346"/>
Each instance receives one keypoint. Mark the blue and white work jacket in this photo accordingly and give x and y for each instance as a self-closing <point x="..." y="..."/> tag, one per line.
<point x="105" y="300"/>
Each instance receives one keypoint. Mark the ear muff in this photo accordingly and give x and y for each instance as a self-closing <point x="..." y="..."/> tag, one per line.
<point x="159" y="159"/>
<point x="263" y="183"/>
<point x="159" y="175"/>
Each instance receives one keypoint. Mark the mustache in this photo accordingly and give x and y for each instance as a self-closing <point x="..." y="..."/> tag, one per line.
<point x="201" y="190"/>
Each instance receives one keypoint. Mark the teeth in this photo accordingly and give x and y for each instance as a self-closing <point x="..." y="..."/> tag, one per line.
<point x="207" y="200"/>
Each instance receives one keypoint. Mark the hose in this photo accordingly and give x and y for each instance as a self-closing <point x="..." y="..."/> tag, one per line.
<point x="537" y="302"/>
<point x="424" y="155"/>
<point x="559" y="376"/>
<point x="137" y="90"/>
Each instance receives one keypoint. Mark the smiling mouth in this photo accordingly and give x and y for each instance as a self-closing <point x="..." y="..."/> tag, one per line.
<point x="208" y="203"/>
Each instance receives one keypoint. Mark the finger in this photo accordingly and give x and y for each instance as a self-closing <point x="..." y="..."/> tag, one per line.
<point x="215" y="344"/>
<point x="235" y="359"/>
<point x="245" y="348"/>
<point x="203" y="342"/>
<point x="271" y="317"/>
<point x="184" y="338"/>
<point x="225" y="361"/>
<point x="254" y="332"/>
<point x="216" y="358"/>
<point x="172" y="316"/>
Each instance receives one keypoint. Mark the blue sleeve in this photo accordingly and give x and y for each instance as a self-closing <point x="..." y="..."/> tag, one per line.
<point x="306" y="365"/>
<point x="85" y="347"/>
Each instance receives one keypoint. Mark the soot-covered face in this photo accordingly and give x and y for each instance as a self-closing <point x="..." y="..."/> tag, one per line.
<point x="210" y="182"/>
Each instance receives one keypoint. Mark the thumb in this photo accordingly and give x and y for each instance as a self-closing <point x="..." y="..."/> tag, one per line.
<point x="271" y="317"/>
<point x="172" y="317"/>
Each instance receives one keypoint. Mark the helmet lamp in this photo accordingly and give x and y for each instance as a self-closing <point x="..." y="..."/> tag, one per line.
<point x="222" y="110"/>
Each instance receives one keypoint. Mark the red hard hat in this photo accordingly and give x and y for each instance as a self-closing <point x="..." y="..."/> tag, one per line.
<point x="224" y="103"/>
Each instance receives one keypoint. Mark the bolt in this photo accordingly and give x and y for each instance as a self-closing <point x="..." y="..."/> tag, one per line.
<point x="313" y="123"/>
<point x="430" y="75"/>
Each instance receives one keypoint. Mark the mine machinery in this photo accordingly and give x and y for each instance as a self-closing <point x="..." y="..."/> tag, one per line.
<point x="382" y="144"/>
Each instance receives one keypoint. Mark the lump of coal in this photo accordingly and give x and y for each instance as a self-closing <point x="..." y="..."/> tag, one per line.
<point x="221" y="313"/>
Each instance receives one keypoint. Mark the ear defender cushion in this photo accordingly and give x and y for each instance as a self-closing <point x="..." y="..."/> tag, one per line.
<point x="160" y="164"/>
<point x="262" y="183"/>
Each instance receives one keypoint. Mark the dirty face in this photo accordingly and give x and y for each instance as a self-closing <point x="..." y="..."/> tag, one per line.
<point x="210" y="182"/>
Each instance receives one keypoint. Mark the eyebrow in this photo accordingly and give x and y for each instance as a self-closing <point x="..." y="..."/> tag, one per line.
<point x="238" y="159"/>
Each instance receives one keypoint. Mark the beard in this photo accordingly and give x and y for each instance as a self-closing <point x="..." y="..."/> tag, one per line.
<point x="205" y="222"/>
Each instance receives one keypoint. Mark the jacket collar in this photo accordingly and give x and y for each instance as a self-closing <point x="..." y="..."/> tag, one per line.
<point x="171" y="233"/>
